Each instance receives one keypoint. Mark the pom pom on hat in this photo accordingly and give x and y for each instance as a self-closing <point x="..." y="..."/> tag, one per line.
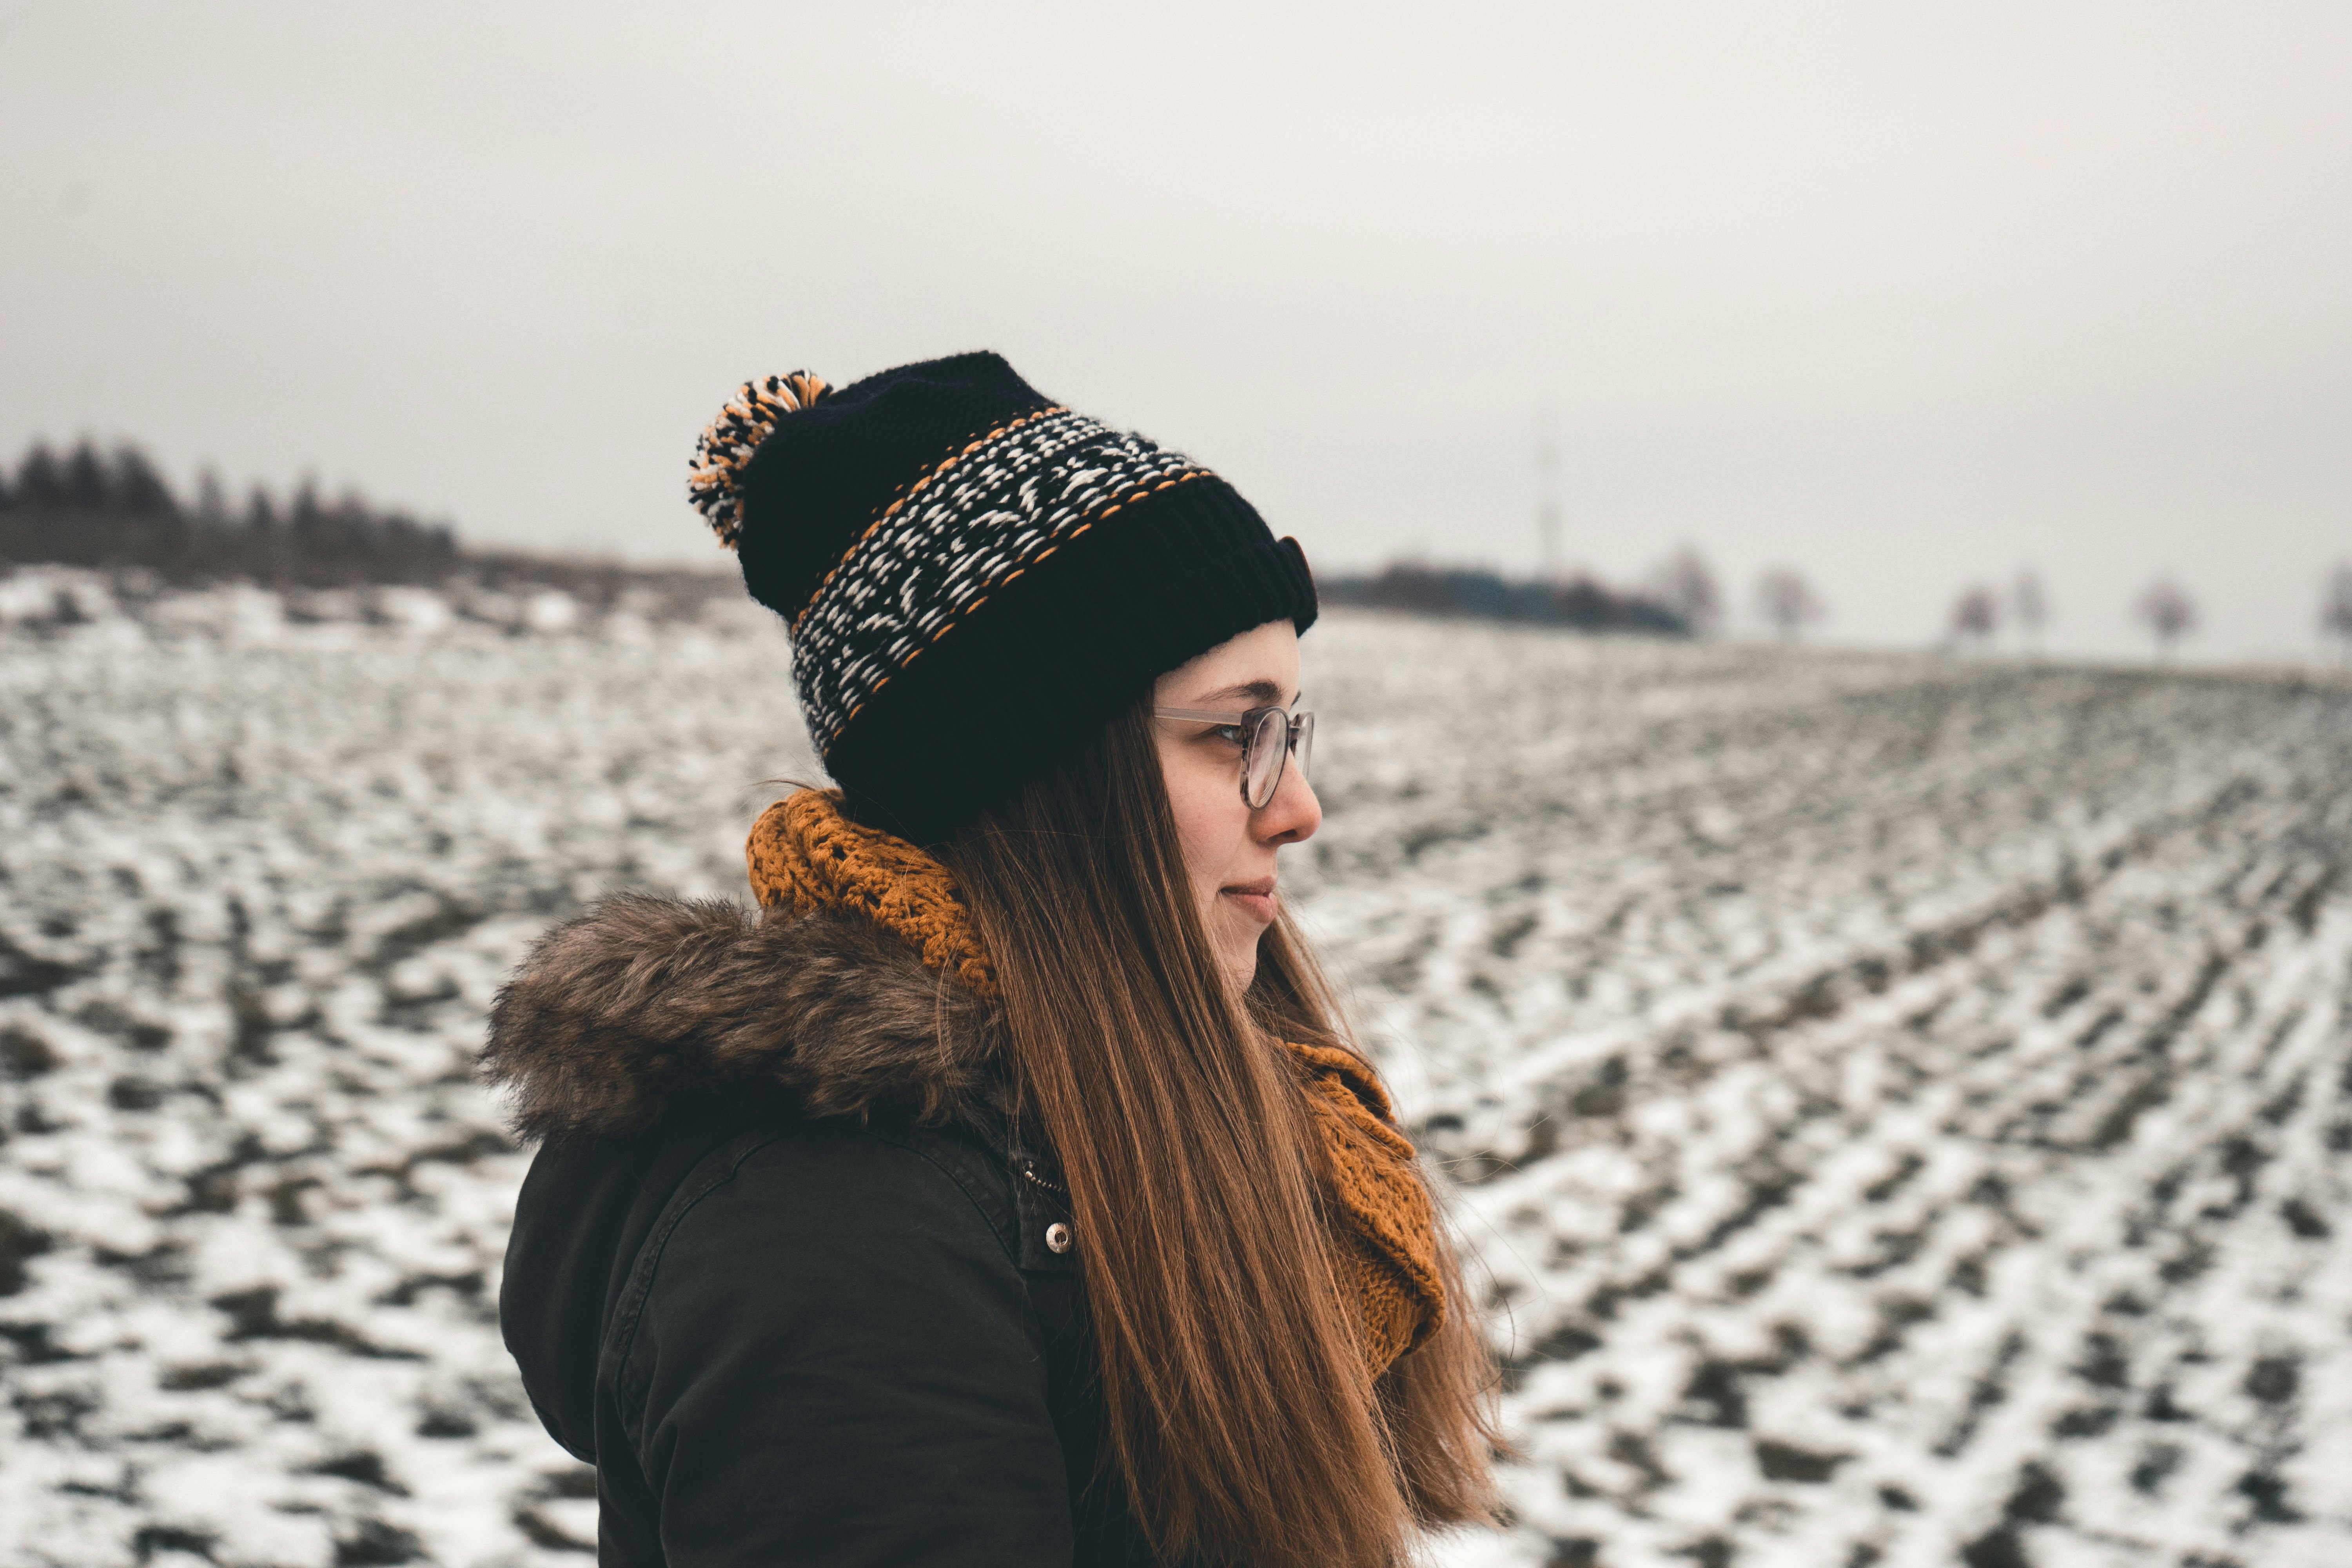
<point x="714" y="483"/>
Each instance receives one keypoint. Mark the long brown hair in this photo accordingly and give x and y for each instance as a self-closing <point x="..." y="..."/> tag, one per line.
<point x="1243" y="1421"/>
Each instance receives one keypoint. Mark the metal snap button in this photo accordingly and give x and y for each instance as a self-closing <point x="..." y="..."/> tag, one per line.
<point x="1058" y="1237"/>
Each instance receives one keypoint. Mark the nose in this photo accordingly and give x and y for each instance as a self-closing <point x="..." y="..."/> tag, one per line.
<point x="1292" y="815"/>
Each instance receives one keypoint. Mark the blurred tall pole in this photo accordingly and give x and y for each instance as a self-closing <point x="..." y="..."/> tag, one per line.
<point x="1547" y="504"/>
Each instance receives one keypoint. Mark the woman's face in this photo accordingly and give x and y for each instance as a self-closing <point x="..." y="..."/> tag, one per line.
<point x="1229" y="848"/>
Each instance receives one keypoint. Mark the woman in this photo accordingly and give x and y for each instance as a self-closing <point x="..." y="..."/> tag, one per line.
<point x="1007" y="1190"/>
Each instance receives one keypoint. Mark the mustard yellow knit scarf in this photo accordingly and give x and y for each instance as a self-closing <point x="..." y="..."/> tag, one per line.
<point x="806" y="855"/>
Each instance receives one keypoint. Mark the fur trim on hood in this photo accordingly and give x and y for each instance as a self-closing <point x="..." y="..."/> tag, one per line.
<point x="644" y="1001"/>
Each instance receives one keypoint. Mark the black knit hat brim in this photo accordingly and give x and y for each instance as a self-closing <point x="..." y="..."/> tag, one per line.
<point x="1056" y="653"/>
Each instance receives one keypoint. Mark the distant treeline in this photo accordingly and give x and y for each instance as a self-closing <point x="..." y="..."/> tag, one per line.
<point x="1462" y="591"/>
<point x="113" y="510"/>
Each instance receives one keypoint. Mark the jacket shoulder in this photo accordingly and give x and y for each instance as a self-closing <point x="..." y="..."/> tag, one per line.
<point x="835" y="1198"/>
<point x="828" y="1337"/>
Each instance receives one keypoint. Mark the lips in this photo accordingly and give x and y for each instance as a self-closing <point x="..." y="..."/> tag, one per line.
<point x="1254" y="898"/>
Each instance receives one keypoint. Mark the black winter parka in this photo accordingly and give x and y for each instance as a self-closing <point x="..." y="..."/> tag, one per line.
<point x="782" y="1269"/>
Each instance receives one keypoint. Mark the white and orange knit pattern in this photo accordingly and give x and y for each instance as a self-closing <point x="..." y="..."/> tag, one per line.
<point x="974" y="523"/>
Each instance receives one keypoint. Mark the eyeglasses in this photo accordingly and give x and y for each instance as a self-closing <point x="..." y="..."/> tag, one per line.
<point x="1267" y="737"/>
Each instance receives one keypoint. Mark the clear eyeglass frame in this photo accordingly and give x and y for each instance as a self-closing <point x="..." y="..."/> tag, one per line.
<point x="1269" y="737"/>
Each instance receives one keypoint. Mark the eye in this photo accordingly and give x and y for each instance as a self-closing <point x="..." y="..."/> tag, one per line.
<point x="1230" y="733"/>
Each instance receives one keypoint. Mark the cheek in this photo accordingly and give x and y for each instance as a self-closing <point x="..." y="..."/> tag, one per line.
<point x="1210" y="823"/>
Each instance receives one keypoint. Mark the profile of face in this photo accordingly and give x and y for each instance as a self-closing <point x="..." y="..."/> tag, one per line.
<point x="1229" y="849"/>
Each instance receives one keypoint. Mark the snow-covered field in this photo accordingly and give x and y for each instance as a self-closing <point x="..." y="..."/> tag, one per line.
<point x="1903" y="1108"/>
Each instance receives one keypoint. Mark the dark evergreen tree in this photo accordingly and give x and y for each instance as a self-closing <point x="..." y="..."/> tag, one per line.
<point x="305" y="516"/>
<point x="40" y="480"/>
<point x="86" y="479"/>
<point x="137" y="490"/>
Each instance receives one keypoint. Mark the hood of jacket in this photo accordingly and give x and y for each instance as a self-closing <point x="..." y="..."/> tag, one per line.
<point x="640" y="1043"/>
<point x="645" y="1002"/>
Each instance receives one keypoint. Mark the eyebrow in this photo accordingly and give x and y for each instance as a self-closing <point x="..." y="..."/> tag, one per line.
<point x="1264" y="693"/>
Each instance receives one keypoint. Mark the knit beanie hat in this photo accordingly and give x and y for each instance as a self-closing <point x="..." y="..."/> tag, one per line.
<point x="974" y="576"/>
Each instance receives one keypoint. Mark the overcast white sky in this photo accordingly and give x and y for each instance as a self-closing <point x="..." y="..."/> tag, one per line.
<point x="1908" y="296"/>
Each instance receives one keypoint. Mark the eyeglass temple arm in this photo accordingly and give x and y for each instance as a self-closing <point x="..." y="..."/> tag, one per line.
<point x="1204" y="715"/>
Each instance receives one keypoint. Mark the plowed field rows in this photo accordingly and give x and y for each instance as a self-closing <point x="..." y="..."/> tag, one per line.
<point x="1905" y="1107"/>
<point x="1902" y="1109"/>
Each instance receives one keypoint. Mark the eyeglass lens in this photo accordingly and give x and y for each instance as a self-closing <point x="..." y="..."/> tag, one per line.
<point x="1270" y="744"/>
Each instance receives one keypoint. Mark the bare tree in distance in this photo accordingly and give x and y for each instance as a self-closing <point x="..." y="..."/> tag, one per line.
<point x="1787" y="601"/>
<point x="1976" y="614"/>
<point x="2168" y="611"/>
<point x="1687" y="584"/>
<point x="2336" y="608"/>
<point x="2030" y="606"/>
